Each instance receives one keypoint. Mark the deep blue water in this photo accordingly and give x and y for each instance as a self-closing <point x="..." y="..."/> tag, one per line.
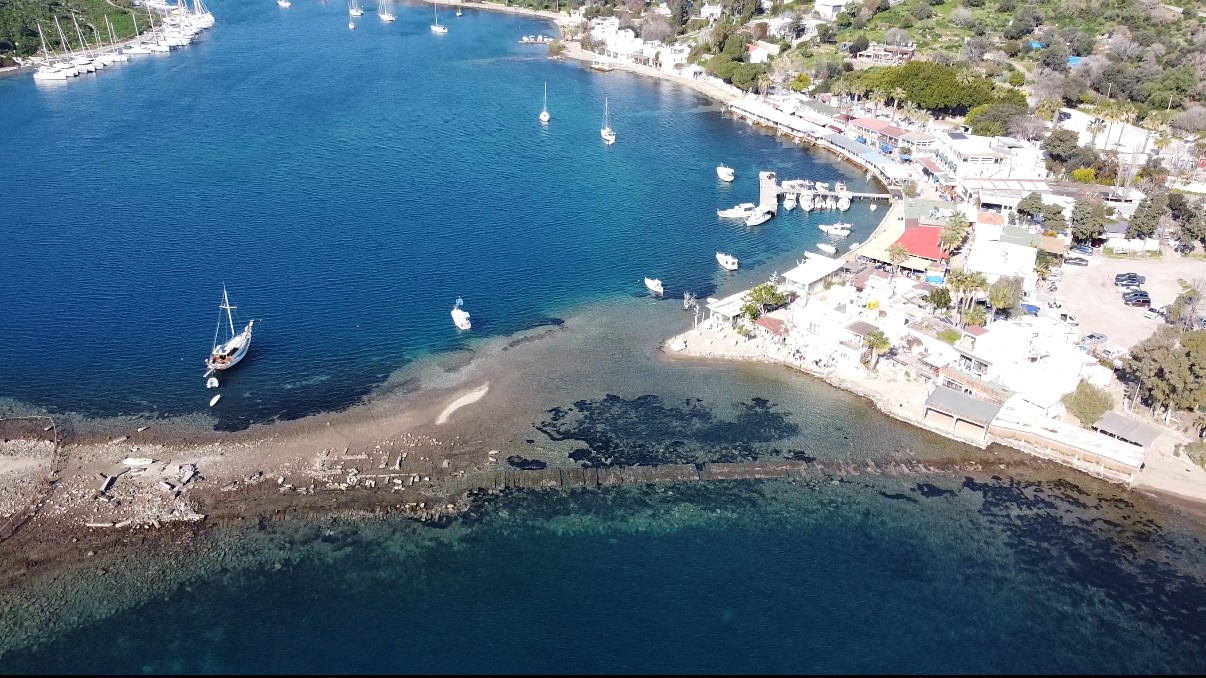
<point x="347" y="186"/>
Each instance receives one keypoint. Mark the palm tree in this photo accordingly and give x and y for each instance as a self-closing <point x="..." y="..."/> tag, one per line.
<point x="897" y="255"/>
<point x="1110" y="112"/>
<point x="1096" y="126"/>
<point x="976" y="316"/>
<point x="878" y="98"/>
<point x="1163" y="139"/>
<point x="1126" y="114"/>
<point x="898" y="93"/>
<point x="878" y="342"/>
<point x="957" y="282"/>
<point x="912" y="112"/>
<point x="1048" y="109"/>
<point x="858" y="88"/>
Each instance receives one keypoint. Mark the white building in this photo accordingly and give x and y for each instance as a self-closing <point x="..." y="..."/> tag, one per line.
<point x="997" y="259"/>
<point x="761" y="52"/>
<point x="711" y="12"/>
<point x="829" y="9"/>
<point x="1036" y="358"/>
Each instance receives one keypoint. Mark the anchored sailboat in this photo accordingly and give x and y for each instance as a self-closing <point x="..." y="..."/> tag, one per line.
<point x="227" y="354"/>
<point x="354" y="9"/>
<point x="437" y="27"/>
<point x="609" y="136"/>
<point x="384" y="13"/>
<point x="544" y="112"/>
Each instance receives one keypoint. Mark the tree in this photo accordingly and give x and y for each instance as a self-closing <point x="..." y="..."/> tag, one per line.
<point x="1169" y="369"/>
<point x="1028" y="127"/>
<point x="975" y="316"/>
<point x="800" y="82"/>
<point x="1184" y="310"/>
<point x="1084" y="175"/>
<point x="1088" y="403"/>
<point x="859" y="44"/>
<point x="1031" y="205"/>
<point x="1053" y="218"/>
<point x="897" y="255"/>
<point x="764" y="297"/>
<point x="1061" y="144"/>
<point x="1088" y="219"/>
<point x="910" y="189"/>
<point x="953" y="232"/>
<point x="939" y="299"/>
<point x="1095" y="127"/>
<point x="1005" y="294"/>
<point x="1147" y="216"/>
<point x="878" y="342"/>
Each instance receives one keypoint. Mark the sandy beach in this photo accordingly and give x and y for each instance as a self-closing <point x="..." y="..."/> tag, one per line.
<point x="467" y="399"/>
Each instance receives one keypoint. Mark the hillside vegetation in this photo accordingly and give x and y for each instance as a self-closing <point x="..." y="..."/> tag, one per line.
<point x="19" y="21"/>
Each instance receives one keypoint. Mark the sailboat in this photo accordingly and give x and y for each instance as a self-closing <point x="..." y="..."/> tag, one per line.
<point x="609" y="137"/>
<point x="458" y="11"/>
<point x="544" y="112"/>
<point x="52" y="71"/>
<point x="437" y="28"/>
<point x="228" y="353"/>
<point x="354" y="8"/>
<point x="383" y="11"/>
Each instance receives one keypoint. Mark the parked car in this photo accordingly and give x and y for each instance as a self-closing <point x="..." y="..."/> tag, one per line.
<point x="1094" y="338"/>
<point x="1123" y="279"/>
<point x="1068" y="318"/>
<point x="1154" y="312"/>
<point x="1138" y="301"/>
<point x="1083" y="249"/>
<point x="1076" y="261"/>
<point x="1131" y="289"/>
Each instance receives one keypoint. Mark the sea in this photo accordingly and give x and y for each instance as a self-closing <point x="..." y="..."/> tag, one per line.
<point x="346" y="186"/>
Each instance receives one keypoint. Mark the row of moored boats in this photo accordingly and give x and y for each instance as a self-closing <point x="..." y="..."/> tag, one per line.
<point x="385" y="13"/>
<point x="178" y="25"/>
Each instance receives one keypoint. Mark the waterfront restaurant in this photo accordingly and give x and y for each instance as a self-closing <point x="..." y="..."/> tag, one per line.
<point x="878" y="133"/>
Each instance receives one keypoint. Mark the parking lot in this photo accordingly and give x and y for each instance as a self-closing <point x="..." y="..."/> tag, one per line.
<point x="1088" y="292"/>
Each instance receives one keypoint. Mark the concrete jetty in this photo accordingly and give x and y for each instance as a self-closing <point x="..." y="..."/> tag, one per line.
<point x="768" y="192"/>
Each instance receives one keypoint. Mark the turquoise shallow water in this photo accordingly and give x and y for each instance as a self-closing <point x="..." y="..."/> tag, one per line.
<point x="347" y="186"/>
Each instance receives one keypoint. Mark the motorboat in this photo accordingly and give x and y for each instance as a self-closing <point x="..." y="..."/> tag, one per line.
<point x="227" y="354"/>
<point x="654" y="285"/>
<point x="724" y="173"/>
<point x="789" y="202"/>
<point x="460" y="317"/>
<point x="839" y="187"/>
<point x="532" y="39"/>
<point x="742" y="211"/>
<point x="759" y="217"/>
<point x="284" y="3"/>
<point x="609" y="136"/>
<point x="826" y="248"/>
<point x="806" y="202"/>
<point x="843" y="203"/>
<point x="544" y="112"/>
<point x="874" y="207"/>
<point x="839" y="229"/>
<point x="727" y="261"/>
<point x="822" y="185"/>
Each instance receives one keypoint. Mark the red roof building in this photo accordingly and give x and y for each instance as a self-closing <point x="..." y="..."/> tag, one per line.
<point x="922" y="241"/>
<point x="775" y="326"/>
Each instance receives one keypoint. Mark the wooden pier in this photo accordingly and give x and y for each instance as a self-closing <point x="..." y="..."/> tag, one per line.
<point x="768" y="192"/>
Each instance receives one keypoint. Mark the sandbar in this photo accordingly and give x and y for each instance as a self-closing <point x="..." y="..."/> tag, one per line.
<point x="467" y="399"/>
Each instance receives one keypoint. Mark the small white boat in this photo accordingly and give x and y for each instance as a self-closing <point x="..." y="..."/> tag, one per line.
<point x="726" y="261"/>
<point x="873" y="207"/>
<point x="759" y="217"/>
<point x="460" y="317"/>
<point x="654" y="285"/>
<point x="458" y="11"/>
<point x="839" y="187"/>
<point x="351" y="26"/>
<point x="609" y="136"/>
<point x="214" y="400"/>
<point x="228" y="354"/>
<point x="544" y="112"/>
<point x="789" y="202"/>
<point x="282" y="3"/>
<point x="838" y="229"/>
<point x="742" y="211"/>
<point x="212" y="382"/>
<point x="806" y="202"/>
<point x="827" y="248"/>
<point x="724" y="173"/>
<point x="821" y="185"/>
<point x="843" y="203"/>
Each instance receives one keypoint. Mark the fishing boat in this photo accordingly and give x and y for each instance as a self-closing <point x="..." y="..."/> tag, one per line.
<point x="654" y="285"/>
<point x="838" y="229"/>
<point x="437" y="27"/>
<point x="724" y="173"/>
<point x="790" y="202"/>
<point x="227" y="354"/>
<point x="609" y="136"/>
<point x="727" y="261"/>
<point x="354" y="8"/>
<point x="827" y="248"/>
<point x="759" y="217"/>
<point x="544" y="112"/>
<point x="460" y="317"/>
<point x="742" y="211"/>
<point x="384" y="13"/>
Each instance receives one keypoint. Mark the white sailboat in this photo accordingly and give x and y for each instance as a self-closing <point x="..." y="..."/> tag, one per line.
<point x="384" y="13"/>
<point x="654" y="285"/>
<point x="727" y="261"/>
<point x="609" y="136"/>
<point x="137" y="47"/>
<point x="544" y="112"/>
<point x="724" y="173"/>
<point x="460" y="317"/>
<point x="227" y="354"/>
<point x="458" y="11"/>
<point x="116" y="54"/>
<point x="354" y="8"/>
<point x="437" y="27"/>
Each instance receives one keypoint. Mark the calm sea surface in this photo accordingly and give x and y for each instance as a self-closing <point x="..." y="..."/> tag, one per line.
<point x="347" y="186"/>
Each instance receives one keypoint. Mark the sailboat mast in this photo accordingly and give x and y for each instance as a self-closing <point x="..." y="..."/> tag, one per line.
<point x="226" y="305"/>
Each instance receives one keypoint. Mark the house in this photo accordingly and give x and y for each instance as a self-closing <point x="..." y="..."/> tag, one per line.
<point x="673" y="59"/>
<point x="965" y="155"/>
<point x="997" y="259"/>
<point x="811" y="275"/>
<point x="711" y="12"/>
<point x="771" y="327"/>
<point x="829" y="9"/>
<point x="921" y="242"/>
<point x="886" y="55"/>
<point x="761" y="52"/>
<point x="877" y="133"/>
